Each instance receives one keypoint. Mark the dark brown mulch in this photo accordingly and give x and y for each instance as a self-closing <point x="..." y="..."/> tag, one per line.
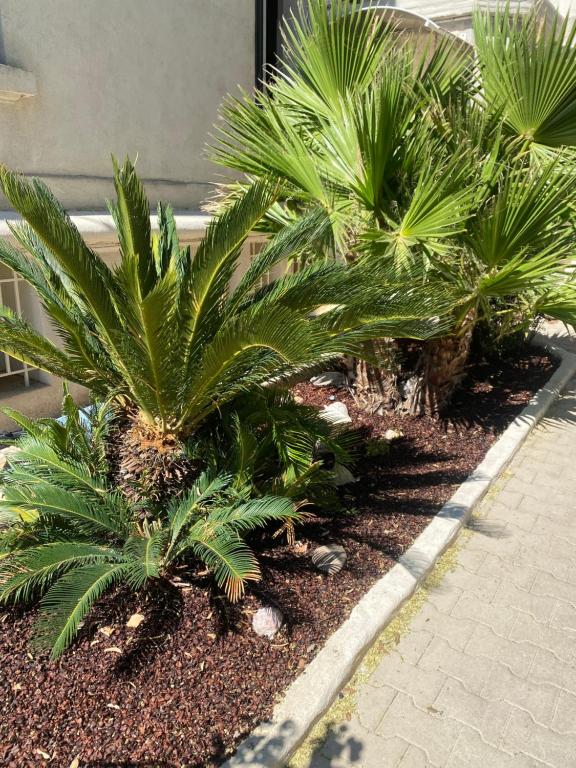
<point x="192" y="680"/>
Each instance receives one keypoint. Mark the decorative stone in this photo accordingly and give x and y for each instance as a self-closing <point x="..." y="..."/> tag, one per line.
<point x="5" y="453"/>
<point x="135" y="620"/>
<point x="343" y="476"/>
<point x="267" y="621"/>
<point x="330" y="379"/>
<point x="330" y="558"/>
<point x="336" y="414"/>
<point x="391" y="435"/>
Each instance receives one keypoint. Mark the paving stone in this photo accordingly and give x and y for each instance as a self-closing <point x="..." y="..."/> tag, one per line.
<point x="361" y="747"/>
<point x="498" y="568"/>
<point x="525" y="490"/>
<point x="512" y="494"/>
<point x="414" y="758"/>
<point x="373" y="703"/>
<point x="543" y="560"/>
<point x="422" y="685"/>
<point x="444" y="597"/>
<point x="456" y="632"/>
<point x="498" y="617"/>
<point x="471" y="752"/>
<point x="541" y="608"/>
<point x="319" y="760"/>
<point x="521" y="519"/>
<point x="525" y="737"/>
<point x="488" y="717"/>
<point x="565" y="716"/>
<point x="547" y="585"/>
<point x="526" y="468"/>
<point x="557" y="511"/>
<point x="539" y="699"/>
<point x="547" y="668"/>
<point x="412" y="645"/>
<point x="345" y="743"/>
<point x="434" y="735"/>
<point x="486" y="675"/>
<point x="475" y="584"/>
<point x="471" y="671"/>
<point x="527" y="761"/>
<point x="528" y="630"/>
<point x="557" y="531"/>
<point x="517" y="656"/>
<point x="564" y="616"/>
<point x="472" y="560"/>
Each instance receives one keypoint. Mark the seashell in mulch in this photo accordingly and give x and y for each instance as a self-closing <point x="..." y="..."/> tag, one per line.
<point x="330" y="558"/>
<point x="267" y="621"/>
<point x="330" y="379"/>
<point x="392" y="435"/>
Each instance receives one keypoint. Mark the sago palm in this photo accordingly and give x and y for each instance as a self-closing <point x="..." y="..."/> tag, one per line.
<point x="67" y="537"/>
<point x="418" y="160"/>
<point x="162" y="333"/>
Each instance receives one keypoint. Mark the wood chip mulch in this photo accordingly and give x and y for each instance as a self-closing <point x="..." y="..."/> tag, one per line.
<point x="192" y="680"/>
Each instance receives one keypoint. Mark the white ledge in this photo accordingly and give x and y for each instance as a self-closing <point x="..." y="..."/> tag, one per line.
<point x="16" y="84"/>
<point x="99" y="226"/>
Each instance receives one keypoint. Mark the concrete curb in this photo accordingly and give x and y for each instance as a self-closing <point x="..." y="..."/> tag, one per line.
<point x="272" y="743"/>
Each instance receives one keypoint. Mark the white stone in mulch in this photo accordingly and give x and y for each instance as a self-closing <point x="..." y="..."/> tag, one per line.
<point x="336" y="414"/>
<point x="342" y="476"/>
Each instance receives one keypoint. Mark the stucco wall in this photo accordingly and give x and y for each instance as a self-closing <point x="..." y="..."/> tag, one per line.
<point x="121" y="76"/>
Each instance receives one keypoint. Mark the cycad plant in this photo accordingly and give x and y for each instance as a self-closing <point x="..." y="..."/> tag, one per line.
<point x="163" y="335"/>
<point x="444" y="165"/>
<point x="68" y="537"/>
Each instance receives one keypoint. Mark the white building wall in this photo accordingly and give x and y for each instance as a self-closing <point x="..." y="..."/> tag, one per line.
<point x="137" y="77"/>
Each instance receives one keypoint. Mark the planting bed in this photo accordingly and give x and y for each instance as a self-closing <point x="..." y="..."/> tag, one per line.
<point x="185" y="689"/>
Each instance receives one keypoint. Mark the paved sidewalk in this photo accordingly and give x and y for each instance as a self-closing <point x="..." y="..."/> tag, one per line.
<point x="486" y="673"/>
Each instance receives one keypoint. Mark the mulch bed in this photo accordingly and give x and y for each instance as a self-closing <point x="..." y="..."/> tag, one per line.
<point x="186" y="686"/>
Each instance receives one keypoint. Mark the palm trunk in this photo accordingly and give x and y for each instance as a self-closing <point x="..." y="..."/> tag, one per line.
<point x="376" y="386"/>
<point x="441" y="368"/>
<point x="423" y="387"/>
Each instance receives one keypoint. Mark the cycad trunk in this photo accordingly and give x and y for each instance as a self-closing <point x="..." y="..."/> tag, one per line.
<point x="148" y="467"/>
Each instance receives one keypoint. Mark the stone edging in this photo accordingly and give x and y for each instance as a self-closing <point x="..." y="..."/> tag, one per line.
<point x="272" y="743"/>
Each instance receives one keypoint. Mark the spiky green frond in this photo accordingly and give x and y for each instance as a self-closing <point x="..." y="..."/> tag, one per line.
<point x="528" y="71"/>
<point x="231" y="560"/>
<point x="29" y="573"/>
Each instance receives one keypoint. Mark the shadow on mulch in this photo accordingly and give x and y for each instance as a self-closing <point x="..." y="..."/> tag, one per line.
<point x="192" y="681"/>
<point x="165" y="605"/>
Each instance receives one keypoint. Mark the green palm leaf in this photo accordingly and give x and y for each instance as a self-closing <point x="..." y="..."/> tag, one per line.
<point x="528" y="70"/>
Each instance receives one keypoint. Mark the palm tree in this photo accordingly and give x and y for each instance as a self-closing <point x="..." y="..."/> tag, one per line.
<point x="68" y="537"/>
<point x="446" y="167"/>
<point x="162" y="333"/>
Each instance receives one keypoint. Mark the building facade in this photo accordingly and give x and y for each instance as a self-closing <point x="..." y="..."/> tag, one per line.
<point x="81" y="79"/>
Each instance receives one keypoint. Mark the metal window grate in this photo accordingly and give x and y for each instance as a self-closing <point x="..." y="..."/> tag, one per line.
<point x="10" y="297"/>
